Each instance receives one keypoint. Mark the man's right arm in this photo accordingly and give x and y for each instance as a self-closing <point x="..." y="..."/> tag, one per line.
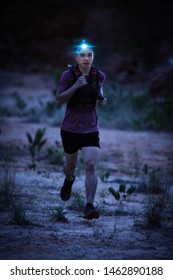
<point x="63" y="93"/>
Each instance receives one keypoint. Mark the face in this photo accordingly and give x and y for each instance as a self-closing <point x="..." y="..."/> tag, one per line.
<point x="85" y="58"/>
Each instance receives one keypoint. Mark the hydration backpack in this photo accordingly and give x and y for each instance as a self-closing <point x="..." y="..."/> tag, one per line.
<point x="78" y="96"/>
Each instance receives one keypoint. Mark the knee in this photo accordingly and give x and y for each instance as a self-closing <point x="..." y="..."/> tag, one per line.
<point x="90" y="166"/>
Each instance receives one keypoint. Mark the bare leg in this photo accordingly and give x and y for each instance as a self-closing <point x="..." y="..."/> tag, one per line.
<point x="90" y="155"/>
<point x="69" y="168"/>
<point x="70" y="165"/>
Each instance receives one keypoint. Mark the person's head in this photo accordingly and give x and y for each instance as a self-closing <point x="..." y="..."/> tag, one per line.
<point x="84" y="54"/>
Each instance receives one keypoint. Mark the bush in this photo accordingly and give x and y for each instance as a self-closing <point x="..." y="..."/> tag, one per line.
<point x="131" y="110"/>
<point x="35" y="144"/>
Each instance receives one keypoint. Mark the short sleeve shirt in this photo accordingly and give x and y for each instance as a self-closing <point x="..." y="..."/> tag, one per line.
<point x="81" y="118"/>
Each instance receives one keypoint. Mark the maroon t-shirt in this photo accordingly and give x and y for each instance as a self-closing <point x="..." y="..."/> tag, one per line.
<point x="81" y="118"/>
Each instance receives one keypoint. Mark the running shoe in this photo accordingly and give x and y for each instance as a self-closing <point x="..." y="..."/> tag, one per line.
<point x="66" y="189"/>
<point x="90" y="212"/>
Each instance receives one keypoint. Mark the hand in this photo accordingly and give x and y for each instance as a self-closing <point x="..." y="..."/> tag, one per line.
<point x="81" y="81"/>
<point x="103" y="102"/>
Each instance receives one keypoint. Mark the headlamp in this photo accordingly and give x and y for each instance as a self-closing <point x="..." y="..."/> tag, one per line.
<point x="82" y="46"/>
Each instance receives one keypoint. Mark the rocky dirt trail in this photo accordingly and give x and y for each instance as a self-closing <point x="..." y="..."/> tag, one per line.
<point x="116" y="234"/>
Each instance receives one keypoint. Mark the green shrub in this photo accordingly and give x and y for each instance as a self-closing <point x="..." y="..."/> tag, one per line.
<point x="58" y="214"/>
<point x="18" y="214"/>
<point x="77" y="202"/>
<point x="132" y="110"/>
<point x="35" y="144"/>
<point x="56" y="154"/>
<point x="121" y="195"/>
<point x="8" y="186"/>
<point x="154" y="208"/>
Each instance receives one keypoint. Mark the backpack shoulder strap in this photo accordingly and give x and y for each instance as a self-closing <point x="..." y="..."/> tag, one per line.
<point x="94" y="77"/>
<point x="72" y="70"/>
<point x="75" y="71"/>
<point x="94" y="72"/>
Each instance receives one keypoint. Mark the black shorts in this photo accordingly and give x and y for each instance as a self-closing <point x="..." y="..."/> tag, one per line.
<point x="72" y="142"/>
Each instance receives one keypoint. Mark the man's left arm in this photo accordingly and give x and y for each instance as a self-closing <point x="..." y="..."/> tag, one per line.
<point x="103" y="100"/>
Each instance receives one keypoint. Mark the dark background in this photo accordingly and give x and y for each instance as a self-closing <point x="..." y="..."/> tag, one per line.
<point x="38" y="35"/>
<point x="134" y="47"/>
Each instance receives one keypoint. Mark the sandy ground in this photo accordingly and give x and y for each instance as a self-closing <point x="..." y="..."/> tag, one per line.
<point x="115" y="235"/>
